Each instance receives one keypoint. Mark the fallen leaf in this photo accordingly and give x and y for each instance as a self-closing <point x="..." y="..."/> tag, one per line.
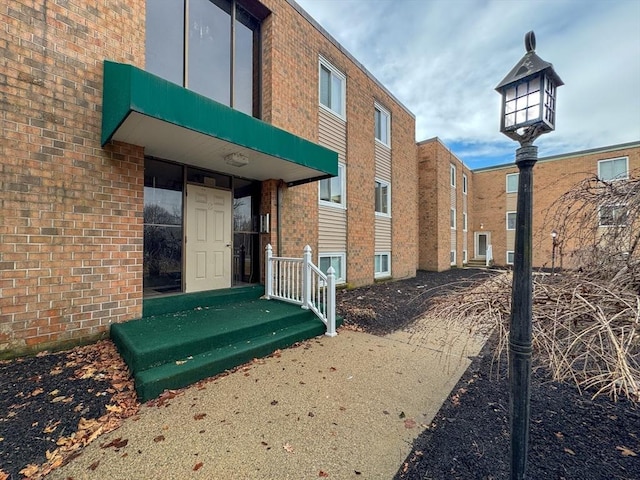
<point x="159" y="438"/>
<point x="199" y="416"/>
<point x="30" y="470"/>
<point x="94" y="465"/>
<point x="569" y="451"/>
<point x="288" y="448"/>
<point x="114" y="408"/>
<point x="51" y="427"/>
<point x="54" y="392"/>
<point x="409" y="423"/>
<point x="559" y="435"/>
<point x="274" y="402"/>
<point x="322" y="474"/>
<point x="402" y="415"/>
<point x="180" y="362"/>
<point x="116" y="443"/>
<point x="197" y="466"/>
<point x="332" y="369"/>
<point x="4" y="475"/>
<point x="37" y="391"/>
<point x="626" y="452"/>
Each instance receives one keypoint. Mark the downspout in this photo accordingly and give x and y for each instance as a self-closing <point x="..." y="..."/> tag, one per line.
<point x="279" y="215"/>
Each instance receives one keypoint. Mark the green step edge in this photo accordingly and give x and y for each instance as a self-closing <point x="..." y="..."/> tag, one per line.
<point x="152" y="382"/>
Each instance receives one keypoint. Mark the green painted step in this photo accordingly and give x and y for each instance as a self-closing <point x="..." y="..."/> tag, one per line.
<point x="152" y="382"/>
<point x="189" y="301"/>
<point x="152" y="341"/>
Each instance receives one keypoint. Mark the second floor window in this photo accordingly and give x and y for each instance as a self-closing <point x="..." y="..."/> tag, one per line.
<point x="614" y="169"/>
<point x="332" y="88"/>
<point x="382" y="125"/>
<point x="213" y="55"/>
<point x="512" y="182"/>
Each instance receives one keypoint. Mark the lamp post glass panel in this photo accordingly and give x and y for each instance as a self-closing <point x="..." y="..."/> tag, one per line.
<point x="528" y="110"/>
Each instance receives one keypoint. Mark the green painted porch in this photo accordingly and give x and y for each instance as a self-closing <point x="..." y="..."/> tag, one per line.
<point x="184" y="338"/>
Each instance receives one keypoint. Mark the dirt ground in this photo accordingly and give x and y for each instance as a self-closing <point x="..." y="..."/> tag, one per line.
<point x="42" y="399"/>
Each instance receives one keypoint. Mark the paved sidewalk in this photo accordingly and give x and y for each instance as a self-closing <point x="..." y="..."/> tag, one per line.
<point x="343" y="407"/>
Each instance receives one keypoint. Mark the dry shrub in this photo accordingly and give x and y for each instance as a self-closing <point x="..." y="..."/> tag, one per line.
<point x="583" y="331"/>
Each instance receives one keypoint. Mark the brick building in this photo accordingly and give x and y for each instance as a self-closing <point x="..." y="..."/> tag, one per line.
<point x="125" y="132"/>
<point x="481" y="214"/>
<point x="127" y="127"/>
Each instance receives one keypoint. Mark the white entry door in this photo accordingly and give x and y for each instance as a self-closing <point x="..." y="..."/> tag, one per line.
<point x="208" y="242"/>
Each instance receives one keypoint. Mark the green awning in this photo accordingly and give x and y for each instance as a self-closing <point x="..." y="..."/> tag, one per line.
<point x="177" y="124"/>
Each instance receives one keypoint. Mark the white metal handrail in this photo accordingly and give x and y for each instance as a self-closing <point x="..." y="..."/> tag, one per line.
<point x="489" y="256"/>
<point x="299" y="281"/>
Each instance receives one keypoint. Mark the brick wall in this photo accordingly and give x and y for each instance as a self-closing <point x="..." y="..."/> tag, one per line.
<point x="71" y="212"/>
<point x="292" y="46"/>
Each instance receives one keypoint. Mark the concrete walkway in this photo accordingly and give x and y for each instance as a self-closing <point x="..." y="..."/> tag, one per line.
<point x="343" y="407"/>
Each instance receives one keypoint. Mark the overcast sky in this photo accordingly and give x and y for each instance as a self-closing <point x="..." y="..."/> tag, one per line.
<point x="443" y="58"/>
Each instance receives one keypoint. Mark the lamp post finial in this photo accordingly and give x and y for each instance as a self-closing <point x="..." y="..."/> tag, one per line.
<point x="530" y="41"/>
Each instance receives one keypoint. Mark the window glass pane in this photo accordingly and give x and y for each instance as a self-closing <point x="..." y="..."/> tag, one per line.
<point x="165" y="39"/>
<point x="243" y="73"/>
<point x="384" y="199"/>
<point x="162" y="249"/>
<point x="336" y="189"/>
<point x="325" y="86"/>
<point x="209" y="64"/>
<point x="385" y="263"/>
<point x="325" y="263"/>
<point x="336" y="94"/>
<point x="377" y="123"/>
<point x="512" y="183"/>
<point x="376" y="264"/>
<point x="614" y="169"/>
<point x="336" y="263"/>
<point x="324" y="190"/>
<point x="511" y="221"/>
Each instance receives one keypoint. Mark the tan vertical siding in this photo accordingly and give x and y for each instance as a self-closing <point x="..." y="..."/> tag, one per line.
<point x="383" y="234"/>
<point x="332" y="221"/>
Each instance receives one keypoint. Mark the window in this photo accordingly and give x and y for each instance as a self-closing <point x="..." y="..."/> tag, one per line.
<point x="464" y="183"/>
<point x="614" y="169"/>
<point x="335" y="260"/>
<point x="383" y="125"/>
<point x="511" y="220"/>
<point x="332" y="189"/>
<point x="212" y="56"/>
<point x="382" y="264"/>
<point x="464" y="221"/>
<point x="332" y="91"/>
<point x="382" y="192"/>
<point x="453" y="219"/>
<point x="464" y="256"/>
<point x="510" y="257"/>
<point x="613" y="215"/>
<point x="512" y="182"/>
<point x="453" y="176"/>
<point x="452" y="257"/>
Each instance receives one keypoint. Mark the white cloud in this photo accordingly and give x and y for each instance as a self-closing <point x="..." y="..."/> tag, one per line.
<point x="442" y="59"/>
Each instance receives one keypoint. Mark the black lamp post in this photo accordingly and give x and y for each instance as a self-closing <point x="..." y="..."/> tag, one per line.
<point x="554" y="239"/>
<point x="528" y="110"/>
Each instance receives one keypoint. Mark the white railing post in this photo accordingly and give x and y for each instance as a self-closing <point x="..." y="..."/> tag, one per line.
<point x="331" y="303"/>
<point x="306" y="277"/>
<point x="268" y="273"/>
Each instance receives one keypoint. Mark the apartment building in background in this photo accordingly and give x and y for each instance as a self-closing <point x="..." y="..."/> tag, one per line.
<point x="466" y="215"/>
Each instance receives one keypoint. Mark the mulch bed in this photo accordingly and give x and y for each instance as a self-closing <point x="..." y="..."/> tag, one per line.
<point x="51" y="405"/>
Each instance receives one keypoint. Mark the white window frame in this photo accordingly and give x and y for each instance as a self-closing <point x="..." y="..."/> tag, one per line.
<point x="613" y="207"/>
<point x="507" y="220"/>
<point x="618" y="177"/>
<point x="513" y="256"/>
<point x="452" y="257"/>
<point x="375" y="190"/>
<point x="383" y="112"/>
<point x="343" y="264"/>
<point x="343" y="191"/>
<point x="452" y="174"/>
<point x="453" y="219"/>
<point x="464" y="257"/>
<point x="382" y="274"/>
<point x="464" y="221"/>
<point x="464" y="183"/>
<point x="334" y="72"/>
<point x="516" y="175"/>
